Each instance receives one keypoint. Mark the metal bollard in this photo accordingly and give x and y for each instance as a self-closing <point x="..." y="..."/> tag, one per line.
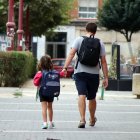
<point x="102" y="93"/>
<point x="136" y="84"/>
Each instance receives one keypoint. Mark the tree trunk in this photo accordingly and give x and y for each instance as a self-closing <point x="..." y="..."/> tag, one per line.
<point x="128" y="38"/>
<point x="133" y="60"/>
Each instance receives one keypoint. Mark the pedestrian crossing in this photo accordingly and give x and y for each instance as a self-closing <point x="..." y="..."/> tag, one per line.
<point x="117" y="118"/>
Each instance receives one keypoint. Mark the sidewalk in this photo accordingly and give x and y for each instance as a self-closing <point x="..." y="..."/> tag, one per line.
<point x="67" y="87"/>
<point x="20" y="115"/>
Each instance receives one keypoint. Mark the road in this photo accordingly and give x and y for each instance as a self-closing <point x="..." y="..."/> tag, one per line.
<point x="118" y="115"/>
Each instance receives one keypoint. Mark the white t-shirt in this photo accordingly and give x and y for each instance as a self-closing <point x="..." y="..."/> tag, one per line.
<point x="84" y="68"/>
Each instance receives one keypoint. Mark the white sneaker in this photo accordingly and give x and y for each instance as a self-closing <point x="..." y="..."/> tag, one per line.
<point x="44" y="126"/>
<point x="51" y="125"/>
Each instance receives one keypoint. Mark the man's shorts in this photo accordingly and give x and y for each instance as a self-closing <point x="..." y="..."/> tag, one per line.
<point x="46" y="99"/>
<point x="87" y="84"/>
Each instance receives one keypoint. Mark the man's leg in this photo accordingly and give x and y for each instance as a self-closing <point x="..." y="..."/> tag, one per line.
<point x="92" y="91"/>
<point x="82" y="107"/>
<point x="92" y="109"/>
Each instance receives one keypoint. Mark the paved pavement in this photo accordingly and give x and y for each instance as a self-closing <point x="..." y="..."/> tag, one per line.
<point x="20" y="115"/>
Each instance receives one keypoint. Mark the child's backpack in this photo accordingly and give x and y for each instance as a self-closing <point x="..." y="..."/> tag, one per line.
<point x="89" y="52"/>
<point x="50" y="84"/>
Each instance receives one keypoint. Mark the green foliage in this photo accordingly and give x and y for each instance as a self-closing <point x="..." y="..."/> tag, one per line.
<point x="112" y="73"/>
<point x="3" y="16"/>
<point x="16" y="68"/>
<point x="44" y="15"/>
<point x="49" y="14"/>
<point x="121" y="15"/>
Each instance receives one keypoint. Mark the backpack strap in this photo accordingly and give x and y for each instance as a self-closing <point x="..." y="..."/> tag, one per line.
<point x="78" y="54"/>
<point x="92" y="35"/>
<point x="76" y="64"/>
<point x="44" y="72"/>
<point x="81" y="43"/>
<point x="100" y="52"/>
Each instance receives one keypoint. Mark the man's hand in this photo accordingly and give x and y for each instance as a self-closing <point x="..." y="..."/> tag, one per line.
<point x="63" y="73"/>
<point x="105" y="83"/>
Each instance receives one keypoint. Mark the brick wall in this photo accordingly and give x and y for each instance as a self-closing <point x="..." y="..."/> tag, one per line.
<point x="74" y="12"/>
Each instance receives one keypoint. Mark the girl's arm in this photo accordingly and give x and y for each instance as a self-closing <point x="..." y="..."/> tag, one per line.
<point x="37" y="78"/>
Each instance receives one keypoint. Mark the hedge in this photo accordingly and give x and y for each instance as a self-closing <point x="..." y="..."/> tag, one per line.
<point x="16" y="67"/>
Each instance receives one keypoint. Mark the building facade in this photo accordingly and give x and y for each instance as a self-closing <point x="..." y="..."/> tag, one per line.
<point x="59" y="46"/>
<point x="83" y="11"/>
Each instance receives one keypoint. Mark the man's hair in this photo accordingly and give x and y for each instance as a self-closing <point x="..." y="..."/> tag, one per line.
<point x="91" y="27"/>
<point x="45" y="63"/>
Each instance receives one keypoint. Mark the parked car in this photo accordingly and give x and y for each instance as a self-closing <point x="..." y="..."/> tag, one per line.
<point x="58" y="64"/>
<point x="129" y="61"/>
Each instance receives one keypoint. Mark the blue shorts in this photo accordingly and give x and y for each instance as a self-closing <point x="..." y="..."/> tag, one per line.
<point x="87" y="84"/>
<point x="46" y="99"/>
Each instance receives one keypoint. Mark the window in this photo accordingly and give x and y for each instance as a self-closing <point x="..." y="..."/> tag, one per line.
<point x="87" y="12"/>
<point x="82" y="8"/>
<point x="92" y="9"/>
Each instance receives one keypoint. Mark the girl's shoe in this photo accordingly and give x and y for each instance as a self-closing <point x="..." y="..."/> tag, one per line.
<point x="51" y="125"/>
<point x="44" y="126"/>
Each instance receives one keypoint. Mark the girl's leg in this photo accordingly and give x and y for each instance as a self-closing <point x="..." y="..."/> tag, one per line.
<point x="44" y="111"/>
<point x="50" y="114"/>
<point x="50" y="111"/>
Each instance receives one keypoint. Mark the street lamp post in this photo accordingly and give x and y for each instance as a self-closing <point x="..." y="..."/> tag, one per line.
<point x="20" y="26"/>
<point x="27" y="36"/>
<point x="11" y="24"/>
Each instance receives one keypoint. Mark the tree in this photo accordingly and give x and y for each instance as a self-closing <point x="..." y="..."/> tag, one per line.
<point x="3" y="16"/>
<point x="122" y="16"/>
<point x="44" y="15"/>
<point x="48" y="14"/>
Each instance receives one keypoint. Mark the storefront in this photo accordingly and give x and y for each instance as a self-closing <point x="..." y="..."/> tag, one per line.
<point x="57" y="46"/>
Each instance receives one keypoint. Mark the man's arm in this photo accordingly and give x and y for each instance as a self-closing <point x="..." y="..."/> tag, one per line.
<point x="69" y="58"/>
<point x="105" y="71"/>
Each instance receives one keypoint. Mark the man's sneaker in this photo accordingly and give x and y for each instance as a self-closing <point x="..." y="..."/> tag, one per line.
<point x="81" y="124"/>
<point x="51" y="125"/>
<point x="44" y="126"/>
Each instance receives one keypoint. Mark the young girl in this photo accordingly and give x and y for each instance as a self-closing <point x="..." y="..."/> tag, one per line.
<point x="46" y="102"/>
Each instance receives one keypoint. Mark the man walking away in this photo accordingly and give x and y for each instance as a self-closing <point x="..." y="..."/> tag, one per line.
<point x="91" y="57"/>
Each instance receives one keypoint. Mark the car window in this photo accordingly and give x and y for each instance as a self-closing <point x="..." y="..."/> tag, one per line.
<point x="56" y="62"/>
<point x="62" y="62"/>
<point x="72" y="63"/>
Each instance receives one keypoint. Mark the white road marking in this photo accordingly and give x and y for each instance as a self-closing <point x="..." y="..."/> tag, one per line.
<point x="69" y="121"/>
<point x="57" y="110"/>
<point x="70" y="104"/>
<point x="80" y="131"/>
